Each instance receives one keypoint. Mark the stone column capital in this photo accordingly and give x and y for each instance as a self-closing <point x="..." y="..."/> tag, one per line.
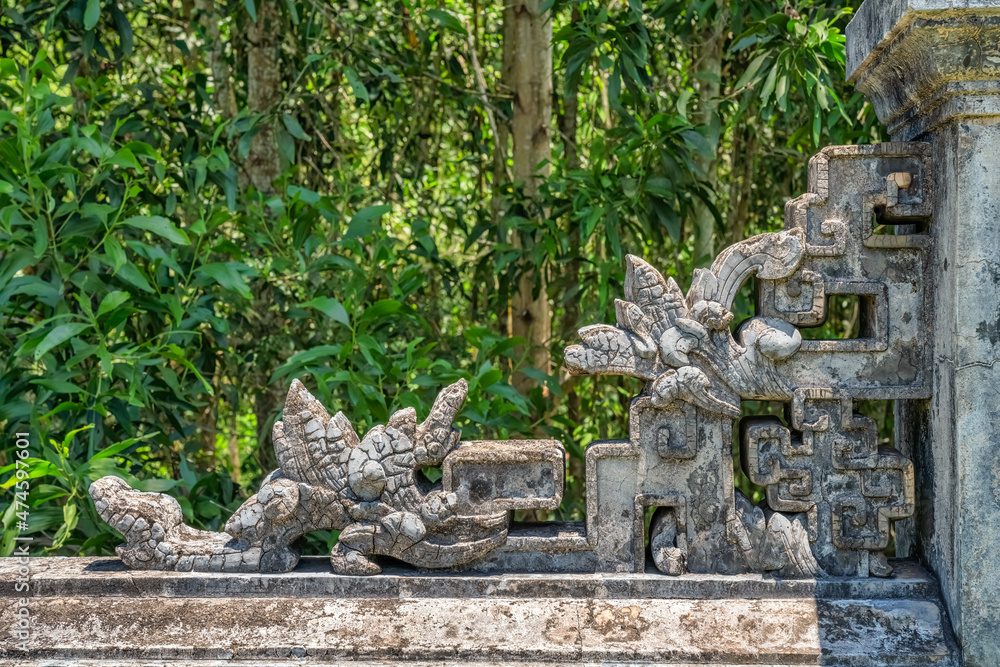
<point x="922" y="63"/>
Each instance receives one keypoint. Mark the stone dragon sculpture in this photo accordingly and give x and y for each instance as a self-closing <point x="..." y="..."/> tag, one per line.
<point x="328" y="479"/>
<point x="682" y="346"/>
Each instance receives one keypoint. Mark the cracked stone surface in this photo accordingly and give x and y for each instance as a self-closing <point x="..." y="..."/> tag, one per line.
<point x="96" y="609"/>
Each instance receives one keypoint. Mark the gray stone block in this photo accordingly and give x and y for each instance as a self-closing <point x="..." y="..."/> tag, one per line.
<point x="85" y="609"/>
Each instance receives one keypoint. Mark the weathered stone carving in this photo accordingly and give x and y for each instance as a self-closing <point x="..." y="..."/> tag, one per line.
<point x="682" y="344"/>
<point x="684" y="347"/>
<point x="831" y="490"/>
<point x="330" y="479"/>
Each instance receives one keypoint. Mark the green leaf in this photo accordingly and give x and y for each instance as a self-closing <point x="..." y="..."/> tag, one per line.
<point x="117" y="448"/>
<point x="91" y="14"/>
<point x="251" y="9"/>
<point x="286" y="145"/>
<point x="765" y="92"/>
<point x="115" y="253"/>
<point x="156" y="485"/>
<point x="41" y="237"/>
<point x="750" y="74"/>
<point x="360" y="92"/>
<point x="293" y="127"/>
<point x="697" y="142"/>
<point x="329" y="307"/>
<point x="125" y="158"/>
<point x="447" y="20"/>
<point x="124" y="29"/>
<point x="744" y="41"/>
<point x="301" y="358"/>
<point x="58" y="336"/>
<point x="781" y="91"/>
<point x="57" y="385"/>
<point x="381" y="308"/>
<point x="160" y="226"/>
<point x="112" y="301"/>
<point x="362" y="223"/>
<point x="131" y="274"/>
<point x="228" y="275"/>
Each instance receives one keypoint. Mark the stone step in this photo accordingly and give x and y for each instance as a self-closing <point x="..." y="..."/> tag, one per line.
<point x="84" y="609"/>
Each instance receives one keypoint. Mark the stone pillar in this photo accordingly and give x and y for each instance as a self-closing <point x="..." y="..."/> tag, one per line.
<point x="931" y="68"/>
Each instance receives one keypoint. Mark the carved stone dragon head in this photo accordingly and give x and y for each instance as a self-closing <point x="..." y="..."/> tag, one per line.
<point x="682" y="344"/>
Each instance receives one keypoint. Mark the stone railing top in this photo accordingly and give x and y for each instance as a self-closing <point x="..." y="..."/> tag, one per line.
<point x="877" y="22"/>
<point x="924" y="63"/>
<point x="76" y="577"/>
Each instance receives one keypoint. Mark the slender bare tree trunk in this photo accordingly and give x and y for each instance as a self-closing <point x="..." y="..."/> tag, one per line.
<point x="263" y="93"/>
<point x="531" y="131"/>
<point x="568" y="119"/>
<point x="741" y="182"/>
<point x="502" y="139"/>
<point x="223" y="94"/>
<point x="709" y="54"/>
<point x="568" y="126"/>
<point x="568" y="123"/>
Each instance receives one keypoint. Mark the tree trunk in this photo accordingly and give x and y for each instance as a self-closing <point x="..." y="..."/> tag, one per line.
<point x="233" y="444"/>
<point x="531" y="84"/>
<point x="568" y="122"/>
<point x="223" y="95"/>
<point x="502" y="139"/>
<point x="263" y="93"/>
<point x="568" y="125"/>
<point x="708" y="62"/>
<point x="741" y="183"/>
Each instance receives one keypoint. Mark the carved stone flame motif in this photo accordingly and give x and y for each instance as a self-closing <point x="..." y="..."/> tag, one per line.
<point x="831" y="490"/>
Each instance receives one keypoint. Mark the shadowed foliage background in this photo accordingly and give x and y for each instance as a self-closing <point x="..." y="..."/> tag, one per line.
<point x="200" y="201"/>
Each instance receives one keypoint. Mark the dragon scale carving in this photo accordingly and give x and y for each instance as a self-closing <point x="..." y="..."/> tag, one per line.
<point x="328" y="479"/>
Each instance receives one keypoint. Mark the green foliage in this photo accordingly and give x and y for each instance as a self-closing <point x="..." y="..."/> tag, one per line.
<point x="155" y="304"/>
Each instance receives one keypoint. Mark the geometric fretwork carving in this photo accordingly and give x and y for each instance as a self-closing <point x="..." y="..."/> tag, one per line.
<point x="799" y="300"/>
<point x="832" y="468"/>
<point x="829" y="488"/>
<point x="861" y="521"/>
<point x="679" y="441"/>
<point x="843" y="255"/>
<point x="783" y="467"/>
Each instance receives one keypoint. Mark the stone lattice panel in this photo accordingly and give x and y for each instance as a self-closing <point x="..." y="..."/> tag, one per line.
<point x="832" y="468"/>
<point x="851" y="186"/>
<point x="783" y="466"/>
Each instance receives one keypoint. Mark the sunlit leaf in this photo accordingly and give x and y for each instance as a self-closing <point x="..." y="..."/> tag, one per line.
<point x="329" y="307"/>
<point x="158" y="225"/>
<point x="91" y="14"/>
<point x="59" y="335"/>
